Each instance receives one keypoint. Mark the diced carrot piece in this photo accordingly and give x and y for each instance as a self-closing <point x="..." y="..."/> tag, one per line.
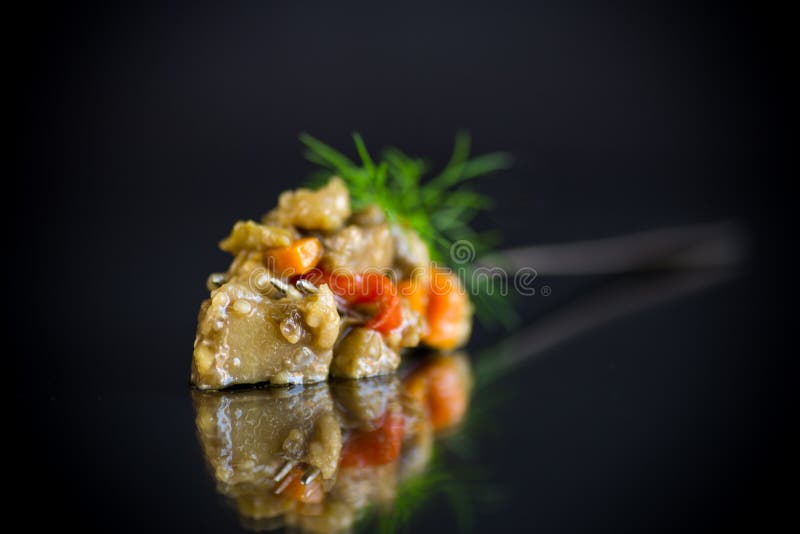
<point x="371" y="286"/>
<point x="416" y="292"/>
<point x="309" y="493"/>
<point x="376" y="287"/>
<point x="448" y="311"/>
<point x="389" y="315"/>
<point x="298" y="258"/>
<point x="376" y="447"/>
<point x="365" y="288"/>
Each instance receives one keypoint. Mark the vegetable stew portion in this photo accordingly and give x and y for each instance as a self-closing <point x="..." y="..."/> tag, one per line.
<point x="316" y="290"/>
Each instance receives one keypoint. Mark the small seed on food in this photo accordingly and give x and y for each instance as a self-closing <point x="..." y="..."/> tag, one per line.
<point x="242" y="307"/>
<point x="306" y="286"/>
<point x="309" y="477"/>
<point x="204" y="358"/>
<point x="291" y="330"/>
<point x="220" y="299"/>
<point x="285" y="288"/>
<point x="215" y="280"/>
<point x="284" y="470"/>
<point x="303" y="356"/>
<point x="293" y="444"/>
<point x="263" y="282"/>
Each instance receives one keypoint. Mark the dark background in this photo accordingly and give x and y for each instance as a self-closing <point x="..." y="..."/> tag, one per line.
<point x="142" y="134"/>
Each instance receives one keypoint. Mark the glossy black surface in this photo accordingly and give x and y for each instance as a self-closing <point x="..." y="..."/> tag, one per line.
<point x="142" y="134"/>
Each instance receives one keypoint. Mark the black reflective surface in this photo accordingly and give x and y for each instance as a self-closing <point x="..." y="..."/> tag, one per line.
<point x="142" y="134"/>
<point x="340" y="456"/>
<point x="656" y="417"/>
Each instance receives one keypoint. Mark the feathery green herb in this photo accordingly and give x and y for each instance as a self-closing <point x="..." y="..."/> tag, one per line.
<point x="440" y="209"/>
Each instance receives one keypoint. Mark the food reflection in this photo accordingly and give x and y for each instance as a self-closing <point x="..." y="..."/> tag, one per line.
<point x="315" y="458"/>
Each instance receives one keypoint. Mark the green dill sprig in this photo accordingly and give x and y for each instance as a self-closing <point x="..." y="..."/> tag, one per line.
<point x="439" y="209"/>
